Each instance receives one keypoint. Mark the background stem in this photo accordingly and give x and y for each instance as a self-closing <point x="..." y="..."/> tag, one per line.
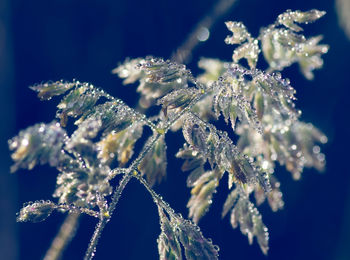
<point x="183" y="53"/>
<point x="64" y="236"/>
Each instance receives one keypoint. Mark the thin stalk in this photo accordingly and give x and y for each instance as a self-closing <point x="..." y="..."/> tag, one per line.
<point x="90" y="252"/>
<point x="65" y="235"/>
<point x="183" y="53"/>
<point x="156" y="198"/>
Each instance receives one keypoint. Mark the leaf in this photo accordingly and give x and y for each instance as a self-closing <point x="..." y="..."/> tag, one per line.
<point x="289" y="18"/>
<point x="249" y="51"/>
<point x="200" y="137"/>
<point x="49" y="89"/>
<point x="36" y="211"/>
<point x="201" y="195"/>
<point x="239" y="33"/>
<point x="218" y="149"/>
<point x="160" y="71"/>
<point x="195" y="244"/>
<point x="193" y="161"/>
<point x="231" y="102"/>
<point x="168" y="242"/>
<point x="119" y="145"/>
<point x="246" y="215"/>
<point x="177" y="230"/>
<point x="108" y="118"/>
<point x="82" y="187"/>
<point x="240" y="167"/>
<point x="129" y="71"/>
<point x="270" y="94"/>
<point x="159" y="78"/>
<point x="154" y="163"/>
<point x="177" y="99"/>
<point x="78" y="101"/>
<point x="274" y="197"/>
<point x="293" y="144"/>
<point x="230" y="201"/>
<point x="203" y="183"/>
<point x="213" y="69"/>
<point x="310" y="57"/>
<point x="259" y="104"/>
<point x="41" y="143"/>
<point x="283" y="47"/>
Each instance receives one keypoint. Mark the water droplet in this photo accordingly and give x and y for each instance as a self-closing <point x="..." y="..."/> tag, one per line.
<point x="203" y="34"/>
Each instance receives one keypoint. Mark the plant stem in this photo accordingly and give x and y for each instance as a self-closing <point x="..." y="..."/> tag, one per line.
<point x="183" y="53"/>
<point x="156" y="198"/>
<point x="64" y="236"/>
<point x="105" y="218"/>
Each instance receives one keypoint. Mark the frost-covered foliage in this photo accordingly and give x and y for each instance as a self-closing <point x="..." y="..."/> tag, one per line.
<point x="258" y="104"/>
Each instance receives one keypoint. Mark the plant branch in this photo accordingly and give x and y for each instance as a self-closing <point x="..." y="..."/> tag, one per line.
<point x="64" y="236"/>
<point x="104" y="218"/>
<point x="156" y="198"/>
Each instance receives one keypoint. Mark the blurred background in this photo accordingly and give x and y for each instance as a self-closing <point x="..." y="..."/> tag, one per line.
<point x="44" y="40"/>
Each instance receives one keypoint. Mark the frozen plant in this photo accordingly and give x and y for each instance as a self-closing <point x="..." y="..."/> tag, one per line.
<point x="258" y="104"/>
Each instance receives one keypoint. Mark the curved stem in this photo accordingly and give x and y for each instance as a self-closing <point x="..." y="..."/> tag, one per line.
<point x="64" y="236"/>
<point x="156" y="198"/>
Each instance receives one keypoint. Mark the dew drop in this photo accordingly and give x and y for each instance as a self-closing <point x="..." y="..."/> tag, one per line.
<point x="203" y="34"/>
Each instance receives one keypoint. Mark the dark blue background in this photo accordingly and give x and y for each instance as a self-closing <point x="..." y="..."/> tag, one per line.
<point x="85" y="40"/>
